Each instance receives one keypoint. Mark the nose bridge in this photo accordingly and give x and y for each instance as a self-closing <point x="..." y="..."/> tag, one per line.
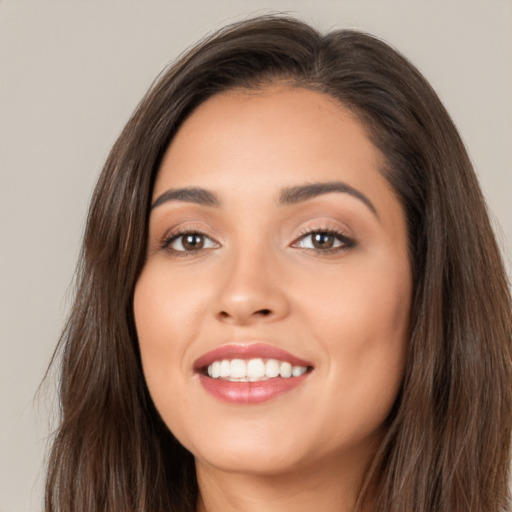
<point x="252" y="287"/>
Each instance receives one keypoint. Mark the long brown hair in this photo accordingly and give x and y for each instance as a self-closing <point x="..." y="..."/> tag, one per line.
<point x="447" y="444"/>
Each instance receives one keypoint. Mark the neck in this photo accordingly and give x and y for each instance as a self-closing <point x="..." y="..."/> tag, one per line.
<point x="323" y="488"/>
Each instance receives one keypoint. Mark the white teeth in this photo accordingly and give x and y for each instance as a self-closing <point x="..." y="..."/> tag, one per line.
<point x="272" y="368"/>
<point x="237" y="369"/>
<point x="297" y="371"/>
<point x="253" y="370"/>
<point x="225" y="368"/>
<point x="215" y="369"/>
<point x="285" y="370"/>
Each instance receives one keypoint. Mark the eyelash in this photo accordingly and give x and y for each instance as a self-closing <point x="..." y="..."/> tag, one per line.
<point x="175" y="235"/>
<point x="347" y="243"/>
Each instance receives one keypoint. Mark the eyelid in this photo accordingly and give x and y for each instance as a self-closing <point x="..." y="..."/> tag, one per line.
<point x="347" y="241"/>
<point x="175" y="233"/>
<point x="170" y="240"/>
<point x="182" y="225"/>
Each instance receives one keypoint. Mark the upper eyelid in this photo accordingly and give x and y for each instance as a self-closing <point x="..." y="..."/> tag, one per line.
<point x="340" y="235"/>
<point x="171" y="236"/>
<point x="188" y="227"/>
<point x="183" y="228"/>
<point x="304" y="231"/>
<point x="328" y="226"/>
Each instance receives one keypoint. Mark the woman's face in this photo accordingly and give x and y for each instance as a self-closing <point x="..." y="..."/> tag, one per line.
<point x="275" y="246"/>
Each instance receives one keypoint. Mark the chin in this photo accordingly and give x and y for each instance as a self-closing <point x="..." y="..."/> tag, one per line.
<point x="250" y="460"/>
<point x="242" y="449"/>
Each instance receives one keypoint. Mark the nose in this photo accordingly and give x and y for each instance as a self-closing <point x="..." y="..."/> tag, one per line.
<point x="252" y="290"/>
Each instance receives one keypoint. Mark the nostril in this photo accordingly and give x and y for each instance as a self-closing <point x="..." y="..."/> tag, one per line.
<point x="237" y="316"/>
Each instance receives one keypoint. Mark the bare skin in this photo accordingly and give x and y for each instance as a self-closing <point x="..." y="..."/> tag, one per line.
<point x="315" y="486"/>
<point x="260" y="256"/>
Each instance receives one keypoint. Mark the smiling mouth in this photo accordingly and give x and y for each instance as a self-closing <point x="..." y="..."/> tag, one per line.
<point x="253" y="370"/>
<point x="250" y="373"/>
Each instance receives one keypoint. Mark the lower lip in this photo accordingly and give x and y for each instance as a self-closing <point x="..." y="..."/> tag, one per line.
<point x="250" y="392"/>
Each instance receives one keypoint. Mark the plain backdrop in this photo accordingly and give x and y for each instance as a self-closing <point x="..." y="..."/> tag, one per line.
<point x="71" y="73"/>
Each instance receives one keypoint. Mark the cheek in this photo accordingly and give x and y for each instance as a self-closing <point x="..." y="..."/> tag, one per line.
<point x="167" y="304"/>
<point x="360" y="316"/>
<point x="366" y="294"/>
<point x="165" y="311"/>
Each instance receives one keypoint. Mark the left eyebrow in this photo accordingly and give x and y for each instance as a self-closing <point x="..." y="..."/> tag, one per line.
<point x="188" y="195"/>
<point x="294" y="195"/>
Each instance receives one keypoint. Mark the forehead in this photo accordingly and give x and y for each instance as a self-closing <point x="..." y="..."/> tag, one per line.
<point x="278" y="136"/>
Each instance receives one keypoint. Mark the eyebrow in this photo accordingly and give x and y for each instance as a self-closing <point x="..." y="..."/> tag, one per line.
<point x="301" y="193"/>
<point x="291" y="195"/>
<point x="188" y="195"/>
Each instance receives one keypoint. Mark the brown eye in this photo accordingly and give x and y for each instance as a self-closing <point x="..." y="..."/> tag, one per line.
<point x="189" y="242"/>
<point x="322" y="240"/>
<point x="192" y="242"/>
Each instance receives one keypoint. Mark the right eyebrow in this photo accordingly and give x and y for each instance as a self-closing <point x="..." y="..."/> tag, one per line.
<point x="188" y="195"/>
<point x="294" y="195"/>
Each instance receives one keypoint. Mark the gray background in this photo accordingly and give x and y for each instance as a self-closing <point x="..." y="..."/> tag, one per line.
<point x="71" y="73"/>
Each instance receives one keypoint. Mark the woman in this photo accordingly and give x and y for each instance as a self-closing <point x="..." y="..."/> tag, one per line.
<point x="289" y="295"/>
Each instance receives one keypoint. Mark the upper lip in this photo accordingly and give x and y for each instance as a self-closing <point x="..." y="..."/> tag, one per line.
<point x="247" y="351"/>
